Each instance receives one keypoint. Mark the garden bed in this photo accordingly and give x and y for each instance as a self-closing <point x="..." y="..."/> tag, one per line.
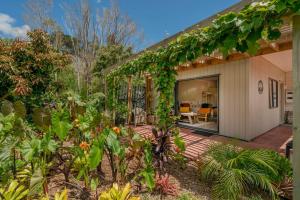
<point x="186" y="180"/>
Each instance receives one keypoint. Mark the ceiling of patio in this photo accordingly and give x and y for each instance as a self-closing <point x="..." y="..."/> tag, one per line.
<point x="282" y="59"/>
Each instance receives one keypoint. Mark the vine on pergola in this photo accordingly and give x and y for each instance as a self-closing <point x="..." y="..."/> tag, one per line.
<point x="231" y="32"/>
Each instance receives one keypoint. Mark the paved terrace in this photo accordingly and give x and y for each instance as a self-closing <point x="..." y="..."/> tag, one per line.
<point x="196" y="144"/>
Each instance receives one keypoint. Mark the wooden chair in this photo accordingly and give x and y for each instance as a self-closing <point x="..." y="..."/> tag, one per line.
<point x="140" y="116"/>
<point x="203" y="113"/>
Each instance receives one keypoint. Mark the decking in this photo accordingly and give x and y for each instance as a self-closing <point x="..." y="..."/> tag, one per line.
<point x="196" y="144"/>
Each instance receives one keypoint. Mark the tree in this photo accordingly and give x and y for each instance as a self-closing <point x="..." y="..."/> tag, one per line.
<point x="37" y="14"/>
<point x="109" y="55"/>
<point x="81" y="25"/>
<point x="27" y="67"/>
<point x="117" y="28"/>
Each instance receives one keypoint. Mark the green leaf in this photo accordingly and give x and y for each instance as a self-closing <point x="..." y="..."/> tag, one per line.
<point x="20" y="109"/>
<point x="61" y="129"/>
<point x="60" y="124"/>
<point x="179" y="142"/>
<point x="48" y="145"/>
<point x="95" y="156"/>
<point x="41" y="118"/>
<point x="37" y="180"/>
<point x="94" y="183"/>
<point x="113" y="143"/>
<point x="280" y="6"/>
<point x="30" y="149"/>
<point x="148" y="176"/>
<point x="274" y="34"/>
<point x="6" y="107"/>
<point x="14" y="191"/>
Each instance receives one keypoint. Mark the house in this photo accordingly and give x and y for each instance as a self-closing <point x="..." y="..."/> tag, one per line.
<point x="240" y="96"/>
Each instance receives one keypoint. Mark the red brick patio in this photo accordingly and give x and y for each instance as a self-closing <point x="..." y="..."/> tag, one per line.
<point x="196" y="144"/>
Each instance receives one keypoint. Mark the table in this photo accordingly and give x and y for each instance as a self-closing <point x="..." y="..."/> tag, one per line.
<point x="190" y="116"/>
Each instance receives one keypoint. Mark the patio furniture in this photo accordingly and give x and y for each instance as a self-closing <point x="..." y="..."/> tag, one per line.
<point x="140" y="116"/>
<point x="203" y="113"/>
<point x="191" y="116"/>
<point x="185" y="108"/>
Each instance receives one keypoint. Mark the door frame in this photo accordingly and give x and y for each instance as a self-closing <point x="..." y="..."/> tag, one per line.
<point x="176" y="104"/>
<point x="282" y="102"/>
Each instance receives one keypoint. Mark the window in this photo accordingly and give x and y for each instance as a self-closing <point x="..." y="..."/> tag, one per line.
<point x="273" y="93"/>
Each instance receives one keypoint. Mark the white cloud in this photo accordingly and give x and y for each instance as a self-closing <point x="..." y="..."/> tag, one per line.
<point x="8" y="29"/>
<point x="99" y="1"/>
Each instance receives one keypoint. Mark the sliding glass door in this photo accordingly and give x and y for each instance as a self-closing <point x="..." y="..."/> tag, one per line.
<point x="197" y="103"/>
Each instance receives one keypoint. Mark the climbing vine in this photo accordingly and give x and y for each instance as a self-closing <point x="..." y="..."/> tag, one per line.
<point x="227" y="33"/>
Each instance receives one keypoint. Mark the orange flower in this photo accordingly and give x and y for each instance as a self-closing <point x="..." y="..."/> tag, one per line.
<point x="117" y="130"/>
<point x="84" y="145"/>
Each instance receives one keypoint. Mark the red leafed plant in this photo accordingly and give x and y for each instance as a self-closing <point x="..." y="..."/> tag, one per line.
<point x="164" y="185"/>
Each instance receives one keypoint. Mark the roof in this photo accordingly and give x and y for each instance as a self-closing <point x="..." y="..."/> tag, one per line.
<point x="203" y="23"/>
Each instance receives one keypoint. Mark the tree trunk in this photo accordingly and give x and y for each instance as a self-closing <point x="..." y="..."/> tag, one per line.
<point x="296" y="109"/>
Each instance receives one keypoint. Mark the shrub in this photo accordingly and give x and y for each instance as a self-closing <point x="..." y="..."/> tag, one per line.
<point x="187" y="196"/>
<point x="117" y="193"/>
<point x="13" y="191"/>
<point x="234" y="172"/>
<point x="165" y="187"/>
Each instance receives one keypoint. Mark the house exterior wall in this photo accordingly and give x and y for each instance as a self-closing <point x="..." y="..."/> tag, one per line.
<point x="289" y="86"/>
<point x="243" y="112"/>
<point x="261" y="117"/>
<point x="233" y="94"/>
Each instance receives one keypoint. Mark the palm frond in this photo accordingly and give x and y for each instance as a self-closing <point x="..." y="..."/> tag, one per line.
<point x="236" y="172"/>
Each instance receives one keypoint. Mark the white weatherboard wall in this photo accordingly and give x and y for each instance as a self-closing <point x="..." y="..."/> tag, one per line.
<point x="289" y="86"/>
<point x="261" y="117"/>
<point x="243" y="112"/>
<point x="233" y="94"/>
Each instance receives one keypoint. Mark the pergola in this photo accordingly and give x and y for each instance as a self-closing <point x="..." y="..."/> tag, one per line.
<point x="254" y="30"/>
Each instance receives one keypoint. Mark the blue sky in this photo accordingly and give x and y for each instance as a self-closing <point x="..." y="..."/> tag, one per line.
<point x="158" y="19"/>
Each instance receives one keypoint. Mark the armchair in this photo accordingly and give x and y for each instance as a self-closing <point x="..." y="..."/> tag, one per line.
<point x="203" y="113"/>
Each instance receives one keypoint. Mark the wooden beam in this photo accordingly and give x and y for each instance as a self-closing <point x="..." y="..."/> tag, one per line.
<point x="207" y="61"/>
<point x="129" y="98"/>
<point x="296" y="108"/>
<point x="148" y="96"/>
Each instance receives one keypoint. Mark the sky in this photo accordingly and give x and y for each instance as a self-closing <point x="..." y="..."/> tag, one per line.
<point x="157" y="19"/>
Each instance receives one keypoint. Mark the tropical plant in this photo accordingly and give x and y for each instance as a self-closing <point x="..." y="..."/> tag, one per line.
<point x="13" y="130"/>
<point x="117" y="193"/>
<point x="38" y="153"/>
<point x="165" y="187"/>
<point x="162" y="145"/>
<point x="187" y="196"/>
<point x="147" y="173"/>
<point x="58" y="196"/>
<point x="234" y="172"/>
<point x="13" y="191"/>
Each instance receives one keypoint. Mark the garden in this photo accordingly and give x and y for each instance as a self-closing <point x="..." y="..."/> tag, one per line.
<point x="58" y="143"/>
